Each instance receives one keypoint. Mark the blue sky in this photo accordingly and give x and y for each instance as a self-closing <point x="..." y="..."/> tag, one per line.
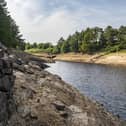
<point x="48" y="20"/>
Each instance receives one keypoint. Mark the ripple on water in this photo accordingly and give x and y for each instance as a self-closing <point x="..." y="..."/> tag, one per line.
<point x="105" y="84"/>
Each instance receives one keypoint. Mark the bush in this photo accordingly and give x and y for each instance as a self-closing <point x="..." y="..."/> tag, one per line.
<point x="34" y="50"/>
<point x="110" y="49"/>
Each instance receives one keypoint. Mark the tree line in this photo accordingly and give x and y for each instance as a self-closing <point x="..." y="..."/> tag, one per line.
<point x="90" y="40"/>
<point x="10" y="35"/>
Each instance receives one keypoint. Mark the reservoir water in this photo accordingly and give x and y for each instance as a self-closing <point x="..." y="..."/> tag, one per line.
<point x="105" y="84"/>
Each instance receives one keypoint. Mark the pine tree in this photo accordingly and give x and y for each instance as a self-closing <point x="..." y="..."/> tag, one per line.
<point x="9" y="31"/>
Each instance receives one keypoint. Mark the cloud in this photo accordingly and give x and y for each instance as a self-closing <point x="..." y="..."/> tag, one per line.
<point x="44" y="20"/>
<point x="37" y="26"/>
<point x="51" y="28"/>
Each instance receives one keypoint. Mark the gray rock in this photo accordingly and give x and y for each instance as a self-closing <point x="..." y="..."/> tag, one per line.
<point x="59" y="105"/>
<point x="24" y="111"/>
<point x="19" y="67"/>
<point x="1" y="53"/>
<point x="3" y="47"/>
<point x="6" y="83"/>
<point x="3" y="107"/>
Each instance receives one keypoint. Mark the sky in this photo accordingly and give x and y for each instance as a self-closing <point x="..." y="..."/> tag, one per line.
<point x="48" y="20"/>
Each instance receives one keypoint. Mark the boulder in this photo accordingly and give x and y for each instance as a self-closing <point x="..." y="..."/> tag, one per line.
<point x="59" y="105"/>
<point x="3" y="107"/>
<point x="6" y="83"/>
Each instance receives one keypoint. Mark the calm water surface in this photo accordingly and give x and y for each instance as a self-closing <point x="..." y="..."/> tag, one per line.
<point x="105" y="84"/>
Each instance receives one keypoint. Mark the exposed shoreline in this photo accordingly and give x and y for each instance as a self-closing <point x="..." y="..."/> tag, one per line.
<point x="39" y="98"/>
<point x="114" y="59"/>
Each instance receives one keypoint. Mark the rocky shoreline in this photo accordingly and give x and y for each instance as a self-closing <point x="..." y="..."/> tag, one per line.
<point x="38" y="98"/>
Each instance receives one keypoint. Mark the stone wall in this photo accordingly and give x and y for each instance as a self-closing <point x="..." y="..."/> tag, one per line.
<point x="6" y="84"/>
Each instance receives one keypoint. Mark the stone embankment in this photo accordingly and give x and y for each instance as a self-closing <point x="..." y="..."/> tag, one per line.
<point x="6" y="86"/>
<point x="38" y="98"/>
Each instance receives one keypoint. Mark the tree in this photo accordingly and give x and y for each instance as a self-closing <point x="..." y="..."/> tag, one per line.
<point x="55" y="50"/>
<point x="34" y="45"/>
<point x="73" y="42"/>
<point x="110" y="35"/>
<point x="84" y="47"/>
<point x="65" y="47"/>
<point x="122" y="37"/>
<point x="60" y="43"/>
<point x="9" y="31"/>
<point x="90" y="40"/>
<point x="40" y="46"/>
<point x="49" y="50"/>
<point x="27" y="46"/>
<point x="47" y="45"/>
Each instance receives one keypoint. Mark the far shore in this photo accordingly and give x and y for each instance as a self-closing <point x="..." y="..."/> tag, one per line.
<point x="116" y="59"/>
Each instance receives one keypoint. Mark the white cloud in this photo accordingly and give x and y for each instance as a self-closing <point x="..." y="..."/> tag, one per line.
<point x="51" y="28"/>
<point x="40" y="23"/>
<point x="38" y="27"/>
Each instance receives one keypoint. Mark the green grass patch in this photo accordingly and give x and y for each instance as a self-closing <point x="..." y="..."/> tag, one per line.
<point x="34" y="50"/>
<point x="123" y="51"/>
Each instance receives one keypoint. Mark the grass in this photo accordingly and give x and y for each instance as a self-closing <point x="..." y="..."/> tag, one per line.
<point x="122" y="51"/>
<point x="34" y="50"/>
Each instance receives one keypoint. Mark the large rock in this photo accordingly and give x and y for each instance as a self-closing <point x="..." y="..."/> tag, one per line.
<point x="3" y="107"/>
<point x="6" y="75"/>
<point x="22" y="58"/>
<point x="6" y="84"/>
